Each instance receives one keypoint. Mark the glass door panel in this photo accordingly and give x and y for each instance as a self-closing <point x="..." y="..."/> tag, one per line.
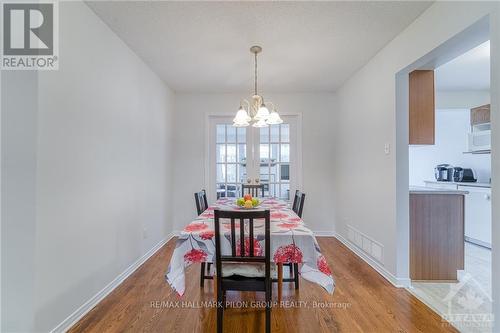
<point x="274" y="168"/>
<point x="230" y="160"/>
<point x="252" y="155"/>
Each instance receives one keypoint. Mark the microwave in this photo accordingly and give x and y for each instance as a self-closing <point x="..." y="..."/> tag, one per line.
<point x="479" y="141"/>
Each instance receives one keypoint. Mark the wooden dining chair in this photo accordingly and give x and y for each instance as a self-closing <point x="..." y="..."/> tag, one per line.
<point x="298" y="202"/>
<point x="297" y="207"/>
<point x="200" y="199"/>
<point x="253" y="190"/>
<point x="242" y="270"/>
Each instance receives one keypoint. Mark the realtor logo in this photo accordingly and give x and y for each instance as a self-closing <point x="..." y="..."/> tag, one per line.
<point x="469" y="305"/>
<point x="30" y="36"/>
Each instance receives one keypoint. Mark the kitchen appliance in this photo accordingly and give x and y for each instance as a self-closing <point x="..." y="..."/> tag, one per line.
<point x="477" y="215"/>
<point x="443" y="172"/>
<point x="466" y="175"/>
<point x="479" y="141"/>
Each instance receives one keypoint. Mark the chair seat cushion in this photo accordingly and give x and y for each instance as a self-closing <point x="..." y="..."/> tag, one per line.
<point x="250" y="270"/>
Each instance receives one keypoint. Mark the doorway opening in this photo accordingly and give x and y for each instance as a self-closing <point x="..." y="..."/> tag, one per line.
<point x="453" y="160"/>
<point x="460" y="159"/>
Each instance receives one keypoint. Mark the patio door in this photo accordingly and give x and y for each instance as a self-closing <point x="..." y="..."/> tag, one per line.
<point x="249" y="155"/>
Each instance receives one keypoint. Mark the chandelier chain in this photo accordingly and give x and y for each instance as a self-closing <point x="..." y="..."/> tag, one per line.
<point x="255" y="73"/>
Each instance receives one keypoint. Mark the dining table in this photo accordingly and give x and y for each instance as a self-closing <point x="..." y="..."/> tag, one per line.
<point x="291" y="242"/>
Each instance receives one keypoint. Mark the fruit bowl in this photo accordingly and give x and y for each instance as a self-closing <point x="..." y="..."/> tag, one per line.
<point x="247" y="202"/>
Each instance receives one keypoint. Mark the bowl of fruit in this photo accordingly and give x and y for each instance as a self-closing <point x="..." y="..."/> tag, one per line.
<point x="248" y="202"/>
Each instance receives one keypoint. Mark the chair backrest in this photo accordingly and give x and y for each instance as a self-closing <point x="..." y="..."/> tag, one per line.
<point x="241" y="242"/>
<point x="298" y="202"/>
<point x="253" y="190"/>
<point x="200" y="198"/>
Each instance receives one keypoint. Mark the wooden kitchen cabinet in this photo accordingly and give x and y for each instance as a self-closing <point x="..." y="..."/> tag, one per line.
<point x="421" y="107"/>
<point x="436" y="235"/>
<point x="480" y="115"/>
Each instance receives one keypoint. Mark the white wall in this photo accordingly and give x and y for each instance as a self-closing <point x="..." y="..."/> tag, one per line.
<point x="452" y="126"/>
<point x="317" y="152"/>
<point x="367" y="121"/>
<point x="94" y="202"/>
<point x="467" y="99"/>
<point x="98" y="162"/>
<point x="19" y="135"/>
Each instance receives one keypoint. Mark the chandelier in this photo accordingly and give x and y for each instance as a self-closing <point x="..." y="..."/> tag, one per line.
<point x="255" y="110"/>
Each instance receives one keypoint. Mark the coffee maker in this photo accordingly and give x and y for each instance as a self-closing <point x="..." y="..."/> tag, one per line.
<point x="443" y="172"/>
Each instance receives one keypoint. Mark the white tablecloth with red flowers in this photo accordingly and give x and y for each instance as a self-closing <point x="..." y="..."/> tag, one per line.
<point x="291" y="242"/>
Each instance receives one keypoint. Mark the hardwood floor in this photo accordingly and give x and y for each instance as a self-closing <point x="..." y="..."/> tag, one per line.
<point x="363" y="301"/>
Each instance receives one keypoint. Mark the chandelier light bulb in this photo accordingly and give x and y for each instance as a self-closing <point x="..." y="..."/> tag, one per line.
<point x="241" y="119"/>
<point x="262" y="113"/>
<point x="260" y="123"/>
<point x="242" y="124"/>
<point x="242" y="116"/>
<point x="274" y="118"/>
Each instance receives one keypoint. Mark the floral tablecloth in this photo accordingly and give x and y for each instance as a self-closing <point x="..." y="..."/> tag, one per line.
<point x="291" y="242"/>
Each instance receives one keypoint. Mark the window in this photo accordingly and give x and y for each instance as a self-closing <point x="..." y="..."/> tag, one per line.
<point x="274" y="170"/>
<point x="231" y="159"/>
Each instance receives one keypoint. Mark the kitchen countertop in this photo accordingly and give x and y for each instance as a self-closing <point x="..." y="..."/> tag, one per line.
<point x="488" y="185"/>
<point x="431" y="190"/>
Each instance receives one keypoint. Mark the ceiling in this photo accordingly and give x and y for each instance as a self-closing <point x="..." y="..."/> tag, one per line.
<point x="307" y="46"/>
<point x="470" y="71"/>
